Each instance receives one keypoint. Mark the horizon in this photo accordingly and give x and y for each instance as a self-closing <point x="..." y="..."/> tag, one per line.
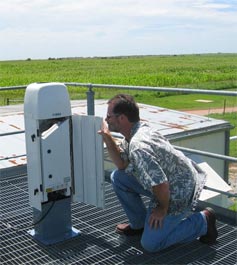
<point x="117" y="56"/>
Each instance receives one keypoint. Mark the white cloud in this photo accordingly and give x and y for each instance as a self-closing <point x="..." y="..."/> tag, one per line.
<point x="61" y="28"/>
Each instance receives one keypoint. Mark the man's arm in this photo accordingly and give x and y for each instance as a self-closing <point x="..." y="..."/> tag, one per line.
<point x="112" y="147"/>
<point x="162" y="194"/>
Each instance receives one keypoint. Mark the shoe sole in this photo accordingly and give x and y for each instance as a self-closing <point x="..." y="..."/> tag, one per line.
<point x="212" y="223"/>
<point x="129" y="232"/>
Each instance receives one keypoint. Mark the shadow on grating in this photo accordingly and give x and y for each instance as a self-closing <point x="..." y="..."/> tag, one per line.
<point x="97" y="243"/>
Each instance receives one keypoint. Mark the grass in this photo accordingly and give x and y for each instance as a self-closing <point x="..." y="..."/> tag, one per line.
<point x="234" y="206"/>
<point x="196" y="71"/>
<point x="208" y="71"/>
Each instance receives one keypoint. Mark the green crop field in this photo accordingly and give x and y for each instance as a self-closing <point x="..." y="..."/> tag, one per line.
<point x="209" y="71"/>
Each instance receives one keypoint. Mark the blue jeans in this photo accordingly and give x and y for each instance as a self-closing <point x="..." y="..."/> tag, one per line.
<point x="176" y="228"/>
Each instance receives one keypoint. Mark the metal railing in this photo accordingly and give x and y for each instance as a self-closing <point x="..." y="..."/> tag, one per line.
<point x="91" y="111"/>
<point x="90" y="93"/>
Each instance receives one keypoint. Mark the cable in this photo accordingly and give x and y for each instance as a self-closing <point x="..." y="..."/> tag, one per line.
<point x="47" y="212"/>
<point x="37" y="222"/>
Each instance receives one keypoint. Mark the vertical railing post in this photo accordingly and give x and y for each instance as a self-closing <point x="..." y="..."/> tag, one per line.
<point x="90" y="100"/>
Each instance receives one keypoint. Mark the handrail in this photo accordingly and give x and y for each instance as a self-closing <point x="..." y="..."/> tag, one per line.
<point x="12" y="157"/>
<point x="12" y="87"/>
<point x="213" y="155"/>
<point x="148" y="88"/>
<point x="234" y="195"/>
<point x="90" y="92"/>
<point x="11" y="133"/>
<point x="162" y="89"/>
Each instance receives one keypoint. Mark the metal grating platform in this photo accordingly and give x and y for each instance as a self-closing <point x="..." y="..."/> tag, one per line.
<point x="97" y="244"/>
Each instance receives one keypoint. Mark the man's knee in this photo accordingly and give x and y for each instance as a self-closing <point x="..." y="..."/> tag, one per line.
<point x="152" y="242"/>
<point x="117" y="175"/>
<point x="119" y="180"/>
<point x="114" y="176"/>
<point x="150" y="246"/>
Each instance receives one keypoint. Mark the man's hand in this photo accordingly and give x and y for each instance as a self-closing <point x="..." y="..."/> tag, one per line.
<point x="156" y="217"/>
<point x="162" y="194"/>
<point x="104" y="131"/>
<point x="112" y="147"/>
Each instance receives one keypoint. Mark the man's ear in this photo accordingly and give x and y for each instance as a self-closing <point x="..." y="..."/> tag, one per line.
<point x="122" y="117"/>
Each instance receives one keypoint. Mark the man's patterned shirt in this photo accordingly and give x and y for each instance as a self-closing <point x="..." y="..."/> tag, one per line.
<point x="153" y="160"/>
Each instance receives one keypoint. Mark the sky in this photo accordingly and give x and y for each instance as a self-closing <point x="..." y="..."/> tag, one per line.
<point x="42" y="29"/>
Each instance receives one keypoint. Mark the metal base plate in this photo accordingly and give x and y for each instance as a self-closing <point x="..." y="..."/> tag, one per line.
<point x="73" y="233"/>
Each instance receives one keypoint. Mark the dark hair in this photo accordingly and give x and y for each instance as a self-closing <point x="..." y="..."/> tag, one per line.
<point x="125" y="104"/>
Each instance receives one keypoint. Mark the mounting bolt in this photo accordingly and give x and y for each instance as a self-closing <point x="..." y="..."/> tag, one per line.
<point x="36" y="191"/>
<point x="33" y="137"/>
